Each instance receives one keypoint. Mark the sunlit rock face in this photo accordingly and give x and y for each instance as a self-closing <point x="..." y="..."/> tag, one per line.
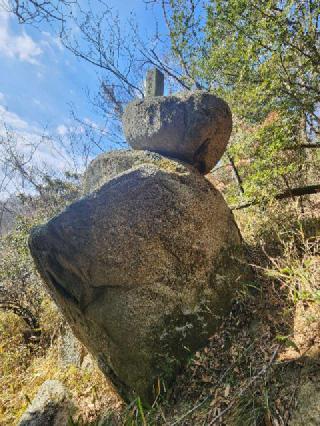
<point x="191" y="126"/>
<point x="143" y="267"/>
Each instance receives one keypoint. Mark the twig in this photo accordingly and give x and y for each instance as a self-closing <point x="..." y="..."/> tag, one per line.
<point x="304" y="145"/>
<point x="194" y="408"/>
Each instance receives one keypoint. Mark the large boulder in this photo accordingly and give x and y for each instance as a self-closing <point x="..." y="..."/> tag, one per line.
<point x="50" y="407"/>
<point x="191" y="126"/>
<point x="143" y="268"/>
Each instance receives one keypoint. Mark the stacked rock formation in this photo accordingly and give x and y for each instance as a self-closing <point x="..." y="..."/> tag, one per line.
<point x="146" y="264"/>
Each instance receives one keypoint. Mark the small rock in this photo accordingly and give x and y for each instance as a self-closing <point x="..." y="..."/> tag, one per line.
<point x="191" y="126"/>
<point x="87" y="363"/>
<point x="50" y="407"/>
<point x="71" y="351"/>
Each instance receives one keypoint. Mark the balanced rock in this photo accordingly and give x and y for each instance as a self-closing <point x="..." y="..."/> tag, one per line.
<point x="191" y="126"/>
<point x="143" y="268"/>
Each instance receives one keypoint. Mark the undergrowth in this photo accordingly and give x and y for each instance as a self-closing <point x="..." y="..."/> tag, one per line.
<point x="24" y="367"/>
<point x="252" y="368"/>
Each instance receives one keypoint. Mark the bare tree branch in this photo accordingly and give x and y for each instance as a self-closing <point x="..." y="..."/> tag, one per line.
<point x="293" y="192"/>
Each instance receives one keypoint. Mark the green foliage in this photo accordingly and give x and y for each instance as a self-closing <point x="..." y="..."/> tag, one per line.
<point x="264" y="59"/>
<point x="264" y="161"/>
<point x="20" y="288"/>
<point x="265" y="54"/>
<point x="288" y="342"/>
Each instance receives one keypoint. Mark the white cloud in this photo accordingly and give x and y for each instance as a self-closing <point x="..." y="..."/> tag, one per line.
<point x="37" y="102"/>
<point x="62" y="130"/>
<point x="52" y="40"/>
<point x="20" y="46"/>
<point x="32" y="145"/>
<point x="27" y="136"/>
<point x="11" y="120"/>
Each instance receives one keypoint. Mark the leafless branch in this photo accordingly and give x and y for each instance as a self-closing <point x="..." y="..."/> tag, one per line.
<point x="289" y="193"/>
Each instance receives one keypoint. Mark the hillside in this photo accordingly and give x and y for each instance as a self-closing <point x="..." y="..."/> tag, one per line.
<point x="160" y="236"/>
<point x="260" y="367"/>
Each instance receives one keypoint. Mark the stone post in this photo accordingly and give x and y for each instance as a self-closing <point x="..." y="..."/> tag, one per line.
<point x="154" y="84"/>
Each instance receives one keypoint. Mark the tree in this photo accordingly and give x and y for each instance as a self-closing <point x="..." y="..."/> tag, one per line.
<point x="21" y="289"/>
<point x="120" y="55"/>
<point x="35" y="12"/>
<point x="263" y="58"/>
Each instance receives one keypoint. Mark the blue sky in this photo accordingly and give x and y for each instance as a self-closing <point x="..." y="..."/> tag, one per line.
<point x="39" y="79"/>
<point x="40" y="82"/>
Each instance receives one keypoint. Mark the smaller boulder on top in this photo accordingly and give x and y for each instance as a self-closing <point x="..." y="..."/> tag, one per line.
<point x="191" y="126"/>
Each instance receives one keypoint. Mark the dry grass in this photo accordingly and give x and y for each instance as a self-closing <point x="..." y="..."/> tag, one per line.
<point x="237" y="379"/>
<point x="251" y="369"/>
<point x="23" y="368"/>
